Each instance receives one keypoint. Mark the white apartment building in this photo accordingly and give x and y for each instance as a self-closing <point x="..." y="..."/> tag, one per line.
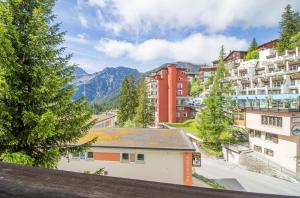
<point x="272" y="73"/>
<point x="267" y="92"/>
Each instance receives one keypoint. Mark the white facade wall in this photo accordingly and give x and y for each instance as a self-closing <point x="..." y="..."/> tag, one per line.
<point x="159" y="165"/>
<point x="253" y="121"/>
<point x="285" y="150"/>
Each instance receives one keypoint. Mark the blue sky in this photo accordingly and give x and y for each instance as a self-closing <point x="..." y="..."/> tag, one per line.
<point x="144" y="34"/>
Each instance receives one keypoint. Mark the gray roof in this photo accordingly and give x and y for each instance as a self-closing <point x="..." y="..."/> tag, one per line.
<point x="24" y="181"/>
<point x="141" y="138"/>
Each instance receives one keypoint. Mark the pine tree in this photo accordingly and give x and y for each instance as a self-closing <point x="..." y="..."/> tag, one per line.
<point x="289" y="25"/>
<point x="252" y="51"/>
<point x="144" y="116"/>
<point x="37" y="114"/>
<point x="253" y="45"/>
<point x="215" y="118"/>
<point x="127" y="101"/>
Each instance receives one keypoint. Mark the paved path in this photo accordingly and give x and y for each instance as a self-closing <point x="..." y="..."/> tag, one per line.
<point x="235" y="177"/>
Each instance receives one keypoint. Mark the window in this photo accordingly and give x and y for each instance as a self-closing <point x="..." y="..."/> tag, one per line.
<point x="271" y="120"/>
<point x="251" y="133"/>
<point x="81" y="155"/>
<point x="257" y="134"/>
<point x="272" y="137"/>
<point x="179" y="92"/>
<point x="180" y="108"/>
<point x="257" y="148"/>
<point x="179" y="79"/>
<point x="179" y="85"/>
<point x="185" y="115"/>
<point x="90" y="155"/>
<point x="140" y="157"/>
<point x="163" y="72"/>
<point x="125" y="157"/>
<point x="269" y="152"/>
<point x="277" y="84"/>
<point x="178" y="115"/>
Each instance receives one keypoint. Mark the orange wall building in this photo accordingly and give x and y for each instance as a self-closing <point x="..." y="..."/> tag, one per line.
<point x="172" y="95"/>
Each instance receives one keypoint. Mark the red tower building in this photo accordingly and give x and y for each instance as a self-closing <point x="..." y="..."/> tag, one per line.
<point x="172" y="95"/>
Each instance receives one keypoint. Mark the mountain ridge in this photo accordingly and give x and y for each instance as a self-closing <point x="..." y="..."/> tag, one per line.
<point x="102" y="87"/>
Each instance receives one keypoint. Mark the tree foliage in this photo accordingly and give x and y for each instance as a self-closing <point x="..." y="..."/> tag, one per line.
<point x="215" y="118"/>
<point x="144" y="116"/>
<point x="289" y="25"/>
<point x="196" y="87"/>
<point x="127" y="101"/>
<point x="295" y="40"/>
<point x="251" y="55"/>
<point x="37" y="114"/>
<point x="252" y="51"/>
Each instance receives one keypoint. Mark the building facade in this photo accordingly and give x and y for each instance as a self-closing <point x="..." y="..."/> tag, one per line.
<point x="161" y="155"/>
<point x="267" y="93"/>
<point x="274" y="135"/>
<point x="105" y="120"/>
<point x="168" y="91"/>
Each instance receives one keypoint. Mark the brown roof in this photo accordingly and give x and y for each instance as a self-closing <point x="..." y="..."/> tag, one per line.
<point x="23" y="181"/>
<point x="269" y="44"/>
<point x="141" y="138"/>
<point x="242" y="52"/>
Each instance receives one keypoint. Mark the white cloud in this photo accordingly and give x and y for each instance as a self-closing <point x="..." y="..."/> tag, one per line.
<point x="83" y="20"/>
<point x="100" y="3"/>
<point x="214" y="15"/>
<point x="79" y="38"/>
<point x="196" y="48"/>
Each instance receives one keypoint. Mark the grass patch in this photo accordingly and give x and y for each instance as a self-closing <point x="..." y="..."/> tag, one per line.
<point x="189" y="126"/>
<point x="210" y="182"/>
<point x="211" y="151"/>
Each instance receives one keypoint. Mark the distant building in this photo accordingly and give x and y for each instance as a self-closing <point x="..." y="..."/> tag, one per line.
<point x="206" y="71"/>
<point x="168" y="91"/>
<point x="105" y="120"/>
<point x="161" y="155"/>
<point x="268" y="45"/>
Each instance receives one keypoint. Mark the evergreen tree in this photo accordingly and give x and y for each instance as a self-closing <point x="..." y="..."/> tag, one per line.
<point x="252" y="51"/>
<point x="144" y="116"/>
<point x="289" y="26"/>
<point x="215" y="118"/>
<point x="37" y="114"/>
<point x="253" y="45"/>
<point x="127" y="101"/>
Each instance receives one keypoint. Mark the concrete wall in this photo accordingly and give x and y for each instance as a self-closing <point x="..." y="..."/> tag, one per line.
<point x="284" y="152"/>
<point x="159" y="165"/>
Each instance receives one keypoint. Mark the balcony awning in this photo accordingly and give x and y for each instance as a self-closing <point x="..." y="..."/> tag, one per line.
<point x="263" y="97"/>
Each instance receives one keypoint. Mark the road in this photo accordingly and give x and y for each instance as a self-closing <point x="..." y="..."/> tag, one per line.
<point x="235" y="177"/>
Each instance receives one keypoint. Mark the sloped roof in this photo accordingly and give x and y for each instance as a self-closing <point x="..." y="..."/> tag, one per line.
<point x="142" y="138"/>
<point x="24" y="181"/>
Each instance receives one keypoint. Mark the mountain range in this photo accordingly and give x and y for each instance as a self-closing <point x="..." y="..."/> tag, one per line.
<point x="103" y="87"/>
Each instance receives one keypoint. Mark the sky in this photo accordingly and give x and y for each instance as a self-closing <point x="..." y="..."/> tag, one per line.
<point x="145" y="34"/>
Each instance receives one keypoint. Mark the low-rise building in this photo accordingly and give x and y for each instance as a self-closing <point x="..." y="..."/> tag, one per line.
<point x="275" y="135"/>
<point x="162" y="155"/>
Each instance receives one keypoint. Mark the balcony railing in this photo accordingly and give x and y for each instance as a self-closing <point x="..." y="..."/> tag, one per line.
<point x="274" y="109"/>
